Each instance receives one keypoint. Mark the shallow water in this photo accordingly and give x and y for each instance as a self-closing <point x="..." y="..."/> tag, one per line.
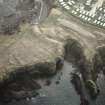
<point x="62" y="92"/>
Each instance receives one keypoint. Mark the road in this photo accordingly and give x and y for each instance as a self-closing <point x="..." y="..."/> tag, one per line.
<point x="43" y="11"/>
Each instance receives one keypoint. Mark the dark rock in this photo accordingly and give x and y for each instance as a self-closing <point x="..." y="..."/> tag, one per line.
<point x="84" y="102"/>
<point x="48" y="82"/>
<point x="20" y="88"/>
<point x="92" y="88"/>
<point x="73" y="51"/>
<point x="76" y="81"/>
<point x="57" y="82"/>
<point x="59" y="63"/>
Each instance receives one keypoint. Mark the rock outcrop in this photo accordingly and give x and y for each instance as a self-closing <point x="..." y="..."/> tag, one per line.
<point x="39" y="48"/>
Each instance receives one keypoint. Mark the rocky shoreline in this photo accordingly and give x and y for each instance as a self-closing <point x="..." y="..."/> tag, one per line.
<point x="42" y="48"/>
